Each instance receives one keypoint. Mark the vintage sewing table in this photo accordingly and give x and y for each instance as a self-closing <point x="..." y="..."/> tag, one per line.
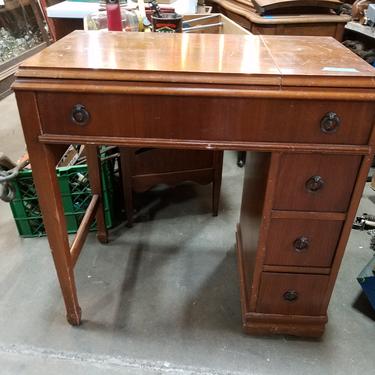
<point x="303" y="106"/>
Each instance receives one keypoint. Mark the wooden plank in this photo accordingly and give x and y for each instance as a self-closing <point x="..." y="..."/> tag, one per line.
<point x="84" y="229"/>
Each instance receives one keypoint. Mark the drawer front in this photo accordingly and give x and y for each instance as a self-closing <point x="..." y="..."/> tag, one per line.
<point x="206" y="118"/>
<point x="315" y="182"/>
<point x="292" y="294"/>
<point x="296" y="242"/>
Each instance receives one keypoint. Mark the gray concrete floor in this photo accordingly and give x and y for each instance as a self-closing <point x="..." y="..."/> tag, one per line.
<point x="163" y="297"/>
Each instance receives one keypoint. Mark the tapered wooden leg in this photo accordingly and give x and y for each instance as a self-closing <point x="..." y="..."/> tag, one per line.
<point x="126" y="158"/>
<point x="42" y="158"/>
<point x="94" y="168"/>
<point x="49" y="195"/>
<point x="216" y="184"/>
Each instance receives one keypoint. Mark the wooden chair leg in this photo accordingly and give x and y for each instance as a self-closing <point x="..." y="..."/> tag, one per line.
<point x="94" y="169"/>
<point x="216" y="184"/>
<point x="126" y="158"/>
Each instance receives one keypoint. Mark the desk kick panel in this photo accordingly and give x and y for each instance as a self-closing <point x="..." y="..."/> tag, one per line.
<point x="205" y="118"/>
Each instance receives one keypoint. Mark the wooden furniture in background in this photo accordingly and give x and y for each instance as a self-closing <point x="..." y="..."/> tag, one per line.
<point x="143" y="168"/>
<point x="303" y="107"/>
<point x="322" y="23"/>
<point x="263" y="6"/>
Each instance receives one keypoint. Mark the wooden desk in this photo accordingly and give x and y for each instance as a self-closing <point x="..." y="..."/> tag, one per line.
<point x="303" y="106"/>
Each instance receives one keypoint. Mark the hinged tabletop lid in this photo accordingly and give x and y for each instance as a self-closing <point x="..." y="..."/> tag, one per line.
<point x="200" y="58"/>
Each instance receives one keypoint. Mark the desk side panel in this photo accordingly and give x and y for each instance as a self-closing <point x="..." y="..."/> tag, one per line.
<point x="251" y="222"/>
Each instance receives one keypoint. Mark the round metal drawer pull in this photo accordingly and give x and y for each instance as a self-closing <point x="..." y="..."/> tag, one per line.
<point x="330" y="122"/>
<point x="301" y="243"/>
<point x="314" y="183"/>
<point x="290" y="295"/>
<point x="80" y="115"/>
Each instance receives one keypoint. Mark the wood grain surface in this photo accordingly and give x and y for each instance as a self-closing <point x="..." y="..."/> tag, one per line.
<point x="265" y="94"/>
<point x="248" y="56"/>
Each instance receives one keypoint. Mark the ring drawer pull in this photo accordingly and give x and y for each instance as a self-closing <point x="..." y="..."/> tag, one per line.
<point x="314" y="183"/>
<point x="301" y="244"/>
<point x="330" y="123"/>
<point x="290" y="295"/>
<point x="80" y="115"/>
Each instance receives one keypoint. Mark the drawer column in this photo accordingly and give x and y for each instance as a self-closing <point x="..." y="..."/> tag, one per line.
<point x="296" y="215"/>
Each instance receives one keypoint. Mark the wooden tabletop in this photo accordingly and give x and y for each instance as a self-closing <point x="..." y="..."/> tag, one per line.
<point x="199" y="58"/>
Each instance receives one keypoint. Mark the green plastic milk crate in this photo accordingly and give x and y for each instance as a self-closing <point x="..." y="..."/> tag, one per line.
<point x="75" y="194"/>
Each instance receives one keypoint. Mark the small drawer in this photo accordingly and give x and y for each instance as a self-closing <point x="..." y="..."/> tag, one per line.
<point x="316" y="121"/>
<point x="315" y="182"/>
<point x="292" y="294"/>
<point x="300" y="242"/>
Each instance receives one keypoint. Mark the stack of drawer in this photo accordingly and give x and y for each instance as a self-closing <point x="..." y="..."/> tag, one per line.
<point x="287" y="270"/>
<point x="305" y="240"/>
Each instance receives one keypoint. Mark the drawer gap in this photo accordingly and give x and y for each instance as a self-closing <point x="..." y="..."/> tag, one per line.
<point x="297" y="270"/>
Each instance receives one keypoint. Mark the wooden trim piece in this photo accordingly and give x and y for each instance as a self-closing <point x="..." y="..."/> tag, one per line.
<point x="241" y="272"/>
<point x="303" y="329"/>
<point x="262" y="239"/>
<point x="206" y="145"/>
<point x="295" y="325"/>
<point x="291" y="269"/>
<point x="128" y="77"/>
<point x="334" y="216"/>
<point x="83" y="229"/>
<point x="372" y="136"/>
<point x="356" y="197"/>
<point x="259" y="317"/>
<point x="142" y="183"/>
<point x="326" y="89"/>
<point x="344" y="83"/>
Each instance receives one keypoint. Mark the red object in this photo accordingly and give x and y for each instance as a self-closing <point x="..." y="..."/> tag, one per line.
<point x="114" y="17"/>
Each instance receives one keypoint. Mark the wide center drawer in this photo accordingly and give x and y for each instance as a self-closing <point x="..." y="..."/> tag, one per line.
<point x="315" y="182"/>
<point x="206" y="118"/>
